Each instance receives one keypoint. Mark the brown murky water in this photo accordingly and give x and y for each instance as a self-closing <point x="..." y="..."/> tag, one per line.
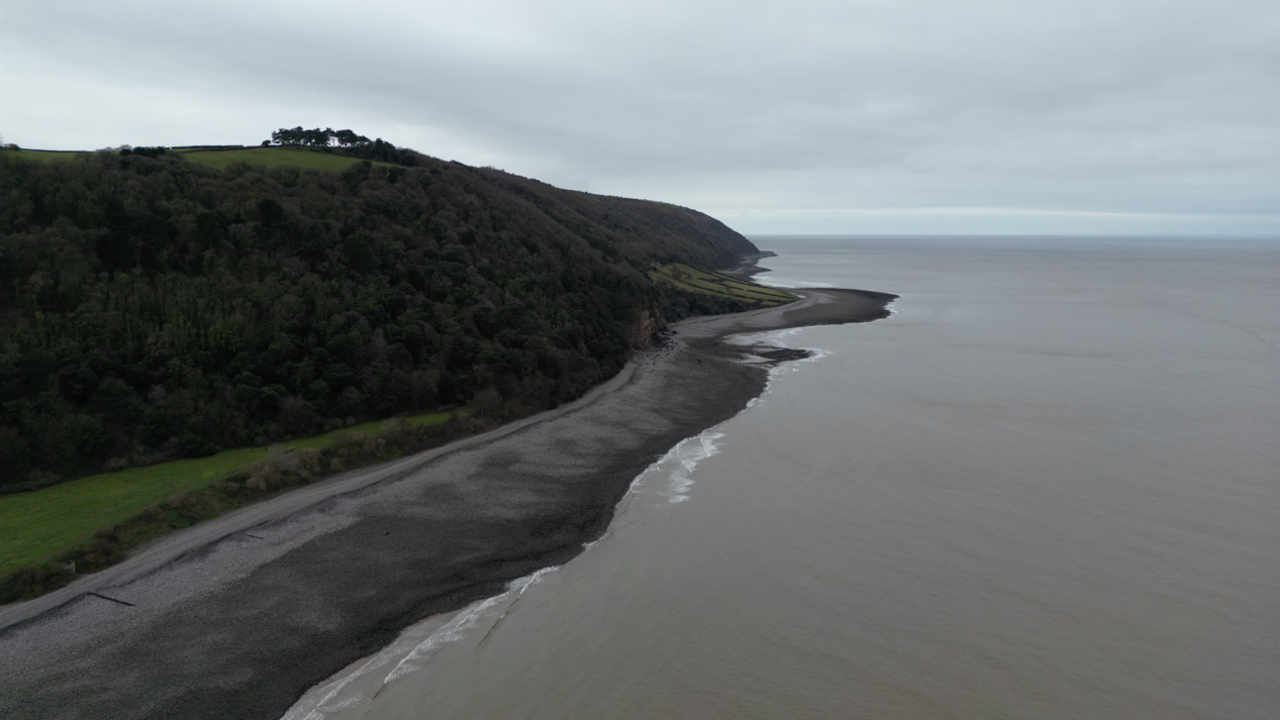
<point x="1048" y="487"/>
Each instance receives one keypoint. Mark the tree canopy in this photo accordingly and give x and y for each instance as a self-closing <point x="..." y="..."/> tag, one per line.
<point x="152" y="308"/>
<point x="345" y="142"/>
<point x="317" y="137"/>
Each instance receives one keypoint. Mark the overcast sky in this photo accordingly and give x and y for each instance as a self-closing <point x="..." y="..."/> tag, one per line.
<point x="929" y="116"/>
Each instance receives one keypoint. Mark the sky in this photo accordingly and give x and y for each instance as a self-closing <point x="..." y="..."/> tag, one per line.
<point x="1117" y="117"/>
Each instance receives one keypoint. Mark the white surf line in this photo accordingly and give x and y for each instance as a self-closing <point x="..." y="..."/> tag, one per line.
<point x="449" y="632"/>
<point x="687" y="454"/>
<point x="454" y="629"/>
<point x="419" y="655"/>
<point x="687" y="458"/>
<point x="778" y="338"/>
<point x="770" y="280"/>
<point x="680" y="481"/>
<point x="531" y="579"/>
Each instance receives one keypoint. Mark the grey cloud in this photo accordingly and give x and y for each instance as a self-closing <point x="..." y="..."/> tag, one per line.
<point x="806" y="110"/>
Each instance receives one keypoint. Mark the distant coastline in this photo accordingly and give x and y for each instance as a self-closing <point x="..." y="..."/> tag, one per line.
<point x="749" y="265"/>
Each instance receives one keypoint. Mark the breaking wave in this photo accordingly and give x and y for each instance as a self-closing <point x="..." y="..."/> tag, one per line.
<point x="414" y="649"/>
<point x="411" y="652"/>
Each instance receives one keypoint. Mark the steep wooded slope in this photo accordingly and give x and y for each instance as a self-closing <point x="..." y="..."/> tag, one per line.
<point x="152" y="307"/>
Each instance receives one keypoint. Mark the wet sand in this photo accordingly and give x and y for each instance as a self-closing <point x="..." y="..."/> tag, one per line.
<point x="238" y="617"/>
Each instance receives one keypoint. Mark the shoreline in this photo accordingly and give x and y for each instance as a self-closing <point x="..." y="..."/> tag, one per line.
<point x="220" y="622"/>
<point x="749" y="265"/>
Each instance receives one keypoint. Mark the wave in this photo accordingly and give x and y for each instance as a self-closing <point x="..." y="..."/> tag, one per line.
<point x="686" y="456"/>
<point x="786" y="282"/>
<point x="414" y="649"/>
<point x="410" y="652"/>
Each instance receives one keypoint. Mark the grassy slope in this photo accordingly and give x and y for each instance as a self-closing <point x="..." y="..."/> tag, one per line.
<point x="689" y="279"/>
<point x="38" y="524"/>
<point x="220" y="159"/>
<point x="35" y="525"/>
<point x="271" y="157"/>
<point x="45" y="155"/>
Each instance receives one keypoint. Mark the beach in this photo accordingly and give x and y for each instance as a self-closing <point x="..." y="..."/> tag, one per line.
<point x="237" y="617"/>
<point x="1042" y="489"/>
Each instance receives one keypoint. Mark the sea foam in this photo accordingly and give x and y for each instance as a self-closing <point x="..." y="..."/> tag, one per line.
<point x="410" y="652"/>
<point x="416" y="646"/>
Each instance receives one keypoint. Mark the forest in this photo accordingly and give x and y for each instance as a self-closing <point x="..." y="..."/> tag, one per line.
<point x="153" y="308"/>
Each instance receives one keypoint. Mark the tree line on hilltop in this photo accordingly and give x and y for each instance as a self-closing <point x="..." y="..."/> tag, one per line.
<point x="316" y="137"/>
<point x="152" y="308"/>
<point x="344" y="142"/>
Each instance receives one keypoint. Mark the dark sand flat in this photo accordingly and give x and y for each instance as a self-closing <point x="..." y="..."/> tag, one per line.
<point x="237" y="617"/>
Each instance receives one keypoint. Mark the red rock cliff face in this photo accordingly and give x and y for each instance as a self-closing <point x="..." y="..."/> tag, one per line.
<point x="641" y="331"/>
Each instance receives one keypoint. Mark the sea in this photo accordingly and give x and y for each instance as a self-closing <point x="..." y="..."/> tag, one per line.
<point x="1047" y="487"/>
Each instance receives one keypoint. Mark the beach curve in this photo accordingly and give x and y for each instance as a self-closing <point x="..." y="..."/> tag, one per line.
<point x="220" y="622"/>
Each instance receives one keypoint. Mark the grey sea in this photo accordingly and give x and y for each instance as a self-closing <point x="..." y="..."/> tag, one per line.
<point x="1047" y="487"/>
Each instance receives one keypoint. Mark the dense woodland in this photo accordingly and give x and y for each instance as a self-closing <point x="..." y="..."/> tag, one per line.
<point x="152" y="308"/>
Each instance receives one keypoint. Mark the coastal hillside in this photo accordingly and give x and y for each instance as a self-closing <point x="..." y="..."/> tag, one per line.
<point x="154" y="306"/>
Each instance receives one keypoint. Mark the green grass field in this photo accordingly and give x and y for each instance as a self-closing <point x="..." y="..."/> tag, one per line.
<point x="692" y="280"/>
<point x="271" y="157"/>
<point x="219" y="159"/>
<point x="38" y="524"/>
<point x="44" y="155"/>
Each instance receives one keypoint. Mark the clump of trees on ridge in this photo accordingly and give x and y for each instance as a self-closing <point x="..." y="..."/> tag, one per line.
<point x="317" y="137"/>
<point x="346" y="142"/>
<point x="152" y="308"/>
